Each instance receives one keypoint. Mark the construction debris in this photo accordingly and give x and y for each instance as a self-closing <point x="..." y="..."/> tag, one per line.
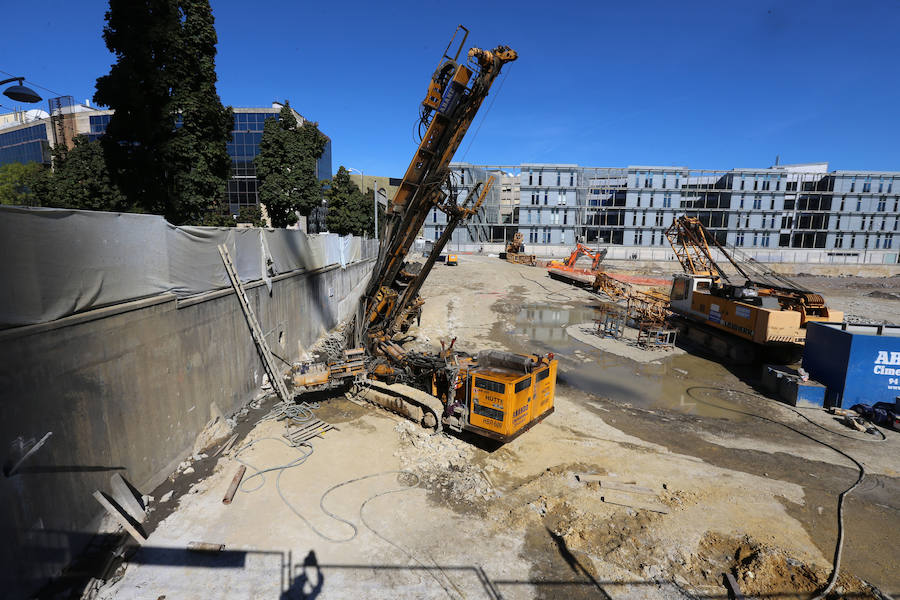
<point x="235" y="483"/>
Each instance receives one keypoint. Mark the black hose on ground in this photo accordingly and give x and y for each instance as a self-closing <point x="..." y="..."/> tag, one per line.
<point x="839" y="544"/>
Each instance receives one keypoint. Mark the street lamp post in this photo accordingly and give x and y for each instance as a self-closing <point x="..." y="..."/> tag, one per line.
<point x="20" y="93"/>
<point x="362" y="179"/>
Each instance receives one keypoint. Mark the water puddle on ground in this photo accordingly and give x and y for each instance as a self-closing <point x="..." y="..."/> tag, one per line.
<point x="663" y="383"/>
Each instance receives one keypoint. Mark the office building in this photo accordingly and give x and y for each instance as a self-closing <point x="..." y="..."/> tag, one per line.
<point x="30" y="135"/>
<point x="785" y="213"/>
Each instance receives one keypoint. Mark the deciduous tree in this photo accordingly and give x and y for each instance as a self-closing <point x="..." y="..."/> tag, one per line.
<point x="286" y="167"/>
<point x="18" y="183"/>
<point x="348" y="209"/>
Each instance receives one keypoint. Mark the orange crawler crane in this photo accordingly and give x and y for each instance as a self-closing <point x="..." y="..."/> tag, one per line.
<point x="767" y="312"/>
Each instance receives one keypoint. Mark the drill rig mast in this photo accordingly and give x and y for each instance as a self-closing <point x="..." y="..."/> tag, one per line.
<point x="494" y="394"/>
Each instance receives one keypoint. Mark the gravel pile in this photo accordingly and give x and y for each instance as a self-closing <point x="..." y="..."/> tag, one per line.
<point x="443" y="464"/>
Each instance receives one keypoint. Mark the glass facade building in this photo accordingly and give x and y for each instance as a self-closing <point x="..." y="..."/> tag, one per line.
<point x="25" y="144"/>
<point x="31" y="142"/>
<point x="781" y="213"/>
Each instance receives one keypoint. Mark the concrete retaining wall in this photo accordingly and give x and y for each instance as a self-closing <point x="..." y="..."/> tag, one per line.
<point x="126" y="389"/>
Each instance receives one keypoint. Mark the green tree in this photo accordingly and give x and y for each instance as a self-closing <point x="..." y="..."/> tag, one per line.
<point x="349" y="211"/>
<point x="80" y="179"/>
<point x="19" y="183"/>
<point x="201" y="161"/>
<point x="286" y="167"/>
<point x="251" y="214"/>
<point x="144" y="37"/>
<point x="165" y="144"/>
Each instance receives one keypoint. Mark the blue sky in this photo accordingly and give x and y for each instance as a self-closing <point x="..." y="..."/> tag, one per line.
<point x="706" y="85"/>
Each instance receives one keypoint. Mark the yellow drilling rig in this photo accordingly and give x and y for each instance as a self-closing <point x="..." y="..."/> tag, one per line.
<point x="493" y="394"/>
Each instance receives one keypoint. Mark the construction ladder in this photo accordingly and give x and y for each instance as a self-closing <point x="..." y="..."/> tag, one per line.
<point x="255" y="330"/>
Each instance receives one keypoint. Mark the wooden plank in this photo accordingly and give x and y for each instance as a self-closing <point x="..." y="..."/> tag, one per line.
<point x="657" y="509"/>
<point x="125" y="497"/>
<point x="232" y="489"/>
<point x="734" y="590"/>
<point x="626" y="487"/>
<point x="121" y="517"/>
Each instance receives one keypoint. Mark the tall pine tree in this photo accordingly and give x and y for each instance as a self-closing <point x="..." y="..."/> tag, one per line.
<point x="202" y="164"/>
<point x="286" y="167"/>
<point x="165" y="144"/>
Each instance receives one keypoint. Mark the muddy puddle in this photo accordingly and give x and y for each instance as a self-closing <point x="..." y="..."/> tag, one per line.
<point x="662" y="384"/>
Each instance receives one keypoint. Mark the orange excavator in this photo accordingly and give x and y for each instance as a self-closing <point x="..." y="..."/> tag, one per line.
<point x="581" y="249"/>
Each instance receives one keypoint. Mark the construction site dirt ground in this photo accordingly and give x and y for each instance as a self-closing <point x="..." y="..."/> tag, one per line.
<point x="698" y="476"/>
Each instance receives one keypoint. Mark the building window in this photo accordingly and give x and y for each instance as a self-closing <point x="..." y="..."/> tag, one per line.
<point x="633" y="219"/>
<point x="837" y="222"/>
<point x="881" y="203"/>
<point x="867" y="186"/>
<point x="651" y="200"/>
<point x="639" y="201"/>
<point x="434" y="215"/>
<point x="852" y="241"/>
<point x="888" y="241"/>
<point x="777" y="185"/>
<point x="839" y="240"/>
<point x="852" y="185"/>
<point x="842" y="202"/>
<point x="571" y="179"/>
<point x="565" y="217"/>
<point x="534" y="199"/>
<point x="562" y="199"/>
<point x="863" y="225"/>
<point x="558" y="179"/>
<point x="765" y="240"/>
<point x="530" y="178"/>
<point x="546" y="235"/>
<point x="771" y="222"/>
<point x="755" y="239"/>
<point x="877" y="242"/>
<point x="648" y="181"/>
<point x="859" y="204"/>
<point x="739" y="239"/>
<point x="890" y="185"/>
<point x="643" y="218"/>
<point x="765" y="184"/>
<point x="664" y="182"/>
<point x="667" y="201"/>
<point x="540" y="178"/>
<point x="880" y="186"/>
<point x="546" y="194"/>
<point x="676" y="183"/>
<point x="742" y="202"/>
<point x="742" y="183"/>
<point x="772" y="204"/>
<point x="639" y="237"/>
<point x="865" y="242"/>
<point x="757" y="202"/>
<point x="637" y="180"/>
<point x="790" y="186"/>
<point x="755" y="185"/>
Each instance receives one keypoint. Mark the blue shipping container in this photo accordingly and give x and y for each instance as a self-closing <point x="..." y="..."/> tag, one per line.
<point x="857" y="363"/>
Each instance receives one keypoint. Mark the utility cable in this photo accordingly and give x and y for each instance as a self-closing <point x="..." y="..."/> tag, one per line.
<point x="306" y="450"/>
<point x="490" y="106"/>
<point x="839" y="543"/>
<point x="548" y="290"/>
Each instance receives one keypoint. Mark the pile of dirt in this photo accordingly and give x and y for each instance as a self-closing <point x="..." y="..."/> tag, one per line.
<point x="444" y="464"/>
<point x="764" y="571"/>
